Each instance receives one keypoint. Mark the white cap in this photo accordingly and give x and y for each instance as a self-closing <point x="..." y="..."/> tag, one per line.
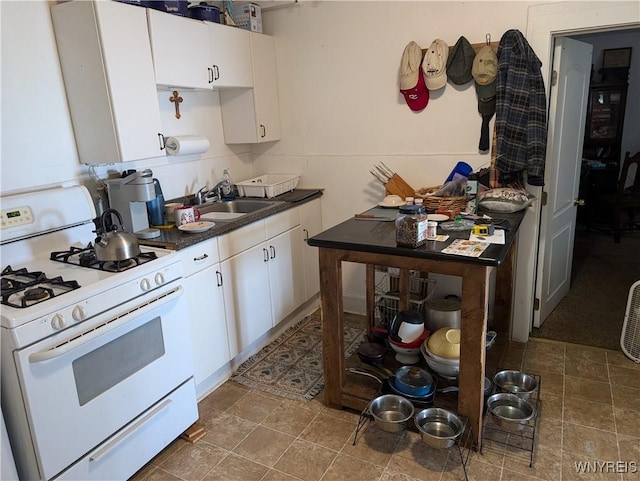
<point x="434" y="65"/>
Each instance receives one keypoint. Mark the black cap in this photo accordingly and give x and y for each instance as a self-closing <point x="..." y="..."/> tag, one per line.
<point x="460" y="62"/>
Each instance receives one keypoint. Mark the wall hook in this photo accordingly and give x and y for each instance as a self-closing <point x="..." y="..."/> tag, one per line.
<point x="177" y="100"/>
<point x="488" y="38"/>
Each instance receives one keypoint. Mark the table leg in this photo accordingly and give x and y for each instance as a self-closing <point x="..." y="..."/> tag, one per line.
<point x="475" y="305"/>
<point x="332" y="313"/>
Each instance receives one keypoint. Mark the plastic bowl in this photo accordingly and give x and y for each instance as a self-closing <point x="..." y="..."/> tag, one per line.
<point x="445" y="343"/>
<point x="439" y="428"/>
<point x="415" y="343"/>
<point x="391" y="412"/>
<point x="448" y="370"/>
<point x="405" y="355"/>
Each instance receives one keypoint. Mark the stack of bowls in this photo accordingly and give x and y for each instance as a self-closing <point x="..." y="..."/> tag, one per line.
<point x="408" y="352"/>
<point x="441" y="351"/>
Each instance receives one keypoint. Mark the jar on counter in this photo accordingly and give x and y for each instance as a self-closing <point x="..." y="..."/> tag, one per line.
<point x="411" y="226"/>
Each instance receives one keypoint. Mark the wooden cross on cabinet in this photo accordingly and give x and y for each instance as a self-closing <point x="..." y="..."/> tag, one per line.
<point x="177" y="100"/>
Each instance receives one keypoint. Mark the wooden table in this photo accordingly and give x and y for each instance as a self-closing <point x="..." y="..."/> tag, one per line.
<point x="373" y="243"/>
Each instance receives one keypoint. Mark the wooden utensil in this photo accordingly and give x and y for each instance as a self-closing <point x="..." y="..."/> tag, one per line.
<point x="395" y="184"/>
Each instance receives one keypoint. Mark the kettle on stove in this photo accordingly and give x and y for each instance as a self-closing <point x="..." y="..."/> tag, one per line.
<point x="114" y="244"/>
<point x="406" y="326"/>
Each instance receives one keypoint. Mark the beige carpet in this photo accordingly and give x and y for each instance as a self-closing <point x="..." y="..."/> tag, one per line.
<point x="593" y="311"/>
<point x="291" y="366"/>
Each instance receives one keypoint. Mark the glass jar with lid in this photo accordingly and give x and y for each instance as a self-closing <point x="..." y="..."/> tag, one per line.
<point x="411" y="226"/>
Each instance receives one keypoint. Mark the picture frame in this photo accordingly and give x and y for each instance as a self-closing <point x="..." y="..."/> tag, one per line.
<point x="616" y="58"/>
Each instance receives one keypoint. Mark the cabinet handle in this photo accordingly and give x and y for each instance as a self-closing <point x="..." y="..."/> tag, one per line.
<point x="210" y="72"/>
<point x="263" y="131"/>
<point x="306" y="235"/>
<point x="273" y="252"/>
<point x="161" y="141"/>
<point x="266" y="254"/>
<point x="201" y="258"/>
<point x="218" y="279"/>
<point x="216" y="71"/>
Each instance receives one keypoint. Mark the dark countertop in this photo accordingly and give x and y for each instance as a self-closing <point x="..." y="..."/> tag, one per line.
<point x="175" y="239"/>
<point x="380" y="238"/>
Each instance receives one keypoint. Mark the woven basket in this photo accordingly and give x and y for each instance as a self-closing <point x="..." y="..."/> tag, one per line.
<point x="435" y="202"/>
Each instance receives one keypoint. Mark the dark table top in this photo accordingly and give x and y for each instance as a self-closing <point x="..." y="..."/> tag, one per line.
<point x="379" y="237"/>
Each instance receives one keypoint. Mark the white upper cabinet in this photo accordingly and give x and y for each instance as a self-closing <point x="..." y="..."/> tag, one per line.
<point x="253" y="115"/>
<point x="190" y="53"/>
<point x="180" y="49"/>
<point x="107" y="67"/>
<point x="230" y="56"/>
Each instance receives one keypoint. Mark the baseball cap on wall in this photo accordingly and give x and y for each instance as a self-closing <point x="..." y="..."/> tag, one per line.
<point x="434" y="64"/>
<point x="412" y="84"/>
<point x="484" y="71"/>
<point x="460" y="62"/>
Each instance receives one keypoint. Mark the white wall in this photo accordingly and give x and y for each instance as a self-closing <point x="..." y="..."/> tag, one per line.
<point x="341" y="110"/>
<point x="38" y="147"/>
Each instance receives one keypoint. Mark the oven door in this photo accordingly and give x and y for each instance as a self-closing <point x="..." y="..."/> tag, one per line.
<point x="85" y="383"/>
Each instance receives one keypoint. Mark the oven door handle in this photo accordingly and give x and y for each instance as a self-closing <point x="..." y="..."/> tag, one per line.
<point x="113" y="443"/>
<point x="109" y="325"/>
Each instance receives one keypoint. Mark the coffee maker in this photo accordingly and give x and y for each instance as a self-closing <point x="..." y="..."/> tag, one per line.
<point x="129" y="196"/>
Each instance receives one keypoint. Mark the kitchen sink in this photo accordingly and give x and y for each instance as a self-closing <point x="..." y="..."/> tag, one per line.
<point x="230" y="210"/>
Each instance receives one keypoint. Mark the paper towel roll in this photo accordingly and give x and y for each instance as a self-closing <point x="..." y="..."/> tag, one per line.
<point x="186" y="144"/>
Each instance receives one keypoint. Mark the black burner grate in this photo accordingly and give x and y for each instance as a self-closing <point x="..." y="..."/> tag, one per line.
<point x="86" y="257"/>
<point x="22" y="288"/>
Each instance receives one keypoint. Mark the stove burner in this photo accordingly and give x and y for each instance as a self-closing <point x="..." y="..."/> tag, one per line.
<point x="86" y="257"/>
<point x="37" y="294"/>
<point x="22" y="288"/>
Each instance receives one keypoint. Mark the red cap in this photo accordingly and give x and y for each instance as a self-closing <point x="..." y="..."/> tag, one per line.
<point x="417" y="97"/>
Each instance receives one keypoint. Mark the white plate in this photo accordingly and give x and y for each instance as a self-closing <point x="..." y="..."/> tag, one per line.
<point x="389" y="205"/>
<point x="437" y="217"/>
<point x="194" y="227"/>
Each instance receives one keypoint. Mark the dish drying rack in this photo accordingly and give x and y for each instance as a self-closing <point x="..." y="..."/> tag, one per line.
<point x="524" y="439"/>
<point x="387" y="295"/>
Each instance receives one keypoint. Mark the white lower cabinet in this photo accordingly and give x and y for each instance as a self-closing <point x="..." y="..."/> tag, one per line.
<point x="204" y="290"/>
<point x="262" y="275"/>
<point x="311" y="224"/>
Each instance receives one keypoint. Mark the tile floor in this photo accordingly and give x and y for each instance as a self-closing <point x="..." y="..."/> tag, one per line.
<point x="590" y="412"/>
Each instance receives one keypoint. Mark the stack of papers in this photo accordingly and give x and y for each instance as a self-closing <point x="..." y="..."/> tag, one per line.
<point x="468" y="248"/>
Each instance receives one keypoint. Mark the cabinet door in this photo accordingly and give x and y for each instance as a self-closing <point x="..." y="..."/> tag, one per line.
<point x="180" y="51"/>
<point x="107" y="67"/>
<point x="230" y="56"/>
<point x="286" y="275"/>
<point x="311" y="223"/>
<point x="265" y="87"/>
<point x="253" y="115"/>
<point x="203" y="286"/>
<point x="245" y="278"/>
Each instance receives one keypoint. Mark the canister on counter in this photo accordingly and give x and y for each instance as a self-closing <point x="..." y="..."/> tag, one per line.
<point x="472" y="193"/>
<point x="411" y="226"/>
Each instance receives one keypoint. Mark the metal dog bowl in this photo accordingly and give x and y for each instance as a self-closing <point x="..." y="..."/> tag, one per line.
<point x="391" y="412"/>
<point x="438" y="427"/>
<point x="510" y="412"/>
<point x="515" y="382"/>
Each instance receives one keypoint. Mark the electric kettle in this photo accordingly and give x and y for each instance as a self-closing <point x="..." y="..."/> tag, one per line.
<point x="406" y="326"/>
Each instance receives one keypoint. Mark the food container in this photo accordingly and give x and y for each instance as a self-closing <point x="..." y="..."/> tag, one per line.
<point x="411" y="226"/>
<point x="510" y="412"/>
<point x="515" y="382"/>
<point x="391" y="412"/>
<point x="177" y="7"/>
<point x="269" y="185"/>
<point x="204" y="11"/>
<point x="248" y="16"/>
<point x="439" y="428"/>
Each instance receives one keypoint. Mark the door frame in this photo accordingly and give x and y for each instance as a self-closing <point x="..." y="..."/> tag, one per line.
<point x="544" y="23"/>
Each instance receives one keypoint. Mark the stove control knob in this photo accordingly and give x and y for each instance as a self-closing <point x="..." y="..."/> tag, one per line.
<point x="78" y="314"/>
<point x="159" y="278"/>
<point x="58" y="322"/>
<point x="145" y="285"/>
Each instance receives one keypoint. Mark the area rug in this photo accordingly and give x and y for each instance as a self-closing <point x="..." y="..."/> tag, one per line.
<point x="291" y="366"/>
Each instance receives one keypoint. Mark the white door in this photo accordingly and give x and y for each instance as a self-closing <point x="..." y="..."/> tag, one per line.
<point x="567" y="113"/>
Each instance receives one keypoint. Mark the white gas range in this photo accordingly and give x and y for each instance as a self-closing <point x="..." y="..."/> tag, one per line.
<point x="96" y="360"/>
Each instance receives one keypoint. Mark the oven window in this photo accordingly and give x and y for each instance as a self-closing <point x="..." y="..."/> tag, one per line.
<point x="105" y="367"/>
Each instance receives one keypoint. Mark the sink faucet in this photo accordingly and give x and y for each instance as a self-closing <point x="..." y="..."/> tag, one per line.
<point x="216" y="193"/>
